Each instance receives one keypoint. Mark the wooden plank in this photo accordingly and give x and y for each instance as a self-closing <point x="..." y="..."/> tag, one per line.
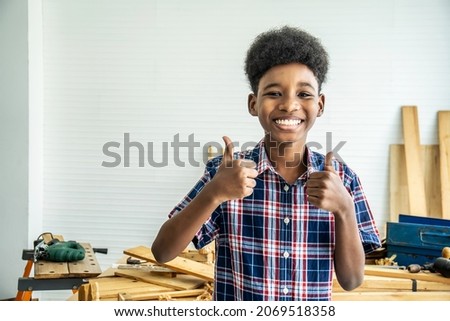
<point x="199" y="257"/>
<point x="403" y="274"/>
<point x="181" y="282"/>
<point x="391" y="296"/>
<point x="156" y="296"/>
<point x="83" y="292"/>
<point x="398" y="186"/>
<point x="385" y="284"/>
<point x="444" y="147"/>
<point x="430" y="156"/>
<point x="117" y="283"/>
<point x="102" y="291"/>
<point x="201" y="270"/>
<point x="413" y="162"/>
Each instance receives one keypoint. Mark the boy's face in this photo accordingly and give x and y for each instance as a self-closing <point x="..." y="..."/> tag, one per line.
<point x="287" y="103"/>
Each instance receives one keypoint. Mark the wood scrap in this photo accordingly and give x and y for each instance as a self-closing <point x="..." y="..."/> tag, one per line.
<point x="163" y="296"/>
<point x="106" y="288"/>
<point x="387" y="261"/>
<point x="101" y="290"/>
<point x="181" y="282"/>
<point x="179" y="264"/>
<point x="150" y="268"/>
<point x="198" y="257"/>
<point x="142" y="284"/>
<point x="193" y="280"/>
<point x="204" y="255"/>
<point x="83" y="292"/>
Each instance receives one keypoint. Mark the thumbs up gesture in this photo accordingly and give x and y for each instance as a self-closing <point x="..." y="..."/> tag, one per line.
<point x="235" y="178"/>
<point x="326" y="190"/>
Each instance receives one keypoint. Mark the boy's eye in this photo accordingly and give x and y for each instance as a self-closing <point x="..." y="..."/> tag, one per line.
<point x="304" y="95"/>
<point x="273" y="94"/>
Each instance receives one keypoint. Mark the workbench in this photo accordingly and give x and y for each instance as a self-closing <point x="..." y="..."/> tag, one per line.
<point x="56" y="275"/>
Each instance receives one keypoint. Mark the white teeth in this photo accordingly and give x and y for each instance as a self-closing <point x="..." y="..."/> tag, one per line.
<point x="288" y="122"/>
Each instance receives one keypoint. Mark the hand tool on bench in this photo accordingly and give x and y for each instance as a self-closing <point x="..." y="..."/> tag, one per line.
<point x="440" y="265"/>
<point x="416" y="268"/>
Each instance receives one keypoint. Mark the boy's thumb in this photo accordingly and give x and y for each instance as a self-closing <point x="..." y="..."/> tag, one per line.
<point x="329" y="162"/>
<point x="228" y="152"/>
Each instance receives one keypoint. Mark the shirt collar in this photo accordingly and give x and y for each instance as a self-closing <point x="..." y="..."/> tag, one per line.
<point x="315" y="160"/>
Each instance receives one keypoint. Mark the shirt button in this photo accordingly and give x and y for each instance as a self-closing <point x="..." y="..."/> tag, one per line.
<point x="286" y="221"/>
<point x="286" y="188"/>
<point x="286" y="254"/>
<point x="285" y="290"/>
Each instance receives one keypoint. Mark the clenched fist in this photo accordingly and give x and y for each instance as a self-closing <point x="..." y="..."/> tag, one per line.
<point x="326" y="190"/>
<point x="235" y="178"/>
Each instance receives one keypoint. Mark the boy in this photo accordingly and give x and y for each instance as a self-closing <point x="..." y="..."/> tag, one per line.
<point x="283" y="217"/>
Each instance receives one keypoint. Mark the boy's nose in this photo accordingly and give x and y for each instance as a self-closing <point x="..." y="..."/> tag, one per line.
<point x="289" y="105"/>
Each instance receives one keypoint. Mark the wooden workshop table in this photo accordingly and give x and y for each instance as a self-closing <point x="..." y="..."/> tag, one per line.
<point x="56" y="275"/>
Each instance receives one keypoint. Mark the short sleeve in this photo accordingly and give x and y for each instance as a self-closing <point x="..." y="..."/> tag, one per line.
<point x="368" y="230"/>
<point x="210" y="228"/>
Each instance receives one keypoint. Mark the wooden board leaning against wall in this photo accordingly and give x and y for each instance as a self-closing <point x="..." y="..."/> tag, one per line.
<point x="420" y="174"/>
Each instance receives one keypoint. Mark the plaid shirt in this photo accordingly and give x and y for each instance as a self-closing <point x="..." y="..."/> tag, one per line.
<point x="273" y="244"/>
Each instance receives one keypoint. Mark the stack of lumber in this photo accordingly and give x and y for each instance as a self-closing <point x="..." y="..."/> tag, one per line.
<point x="187" y="277"/>
<point x="420" y="174"/>
<point x="391" y="284"/>
<point x="184" y="279"/>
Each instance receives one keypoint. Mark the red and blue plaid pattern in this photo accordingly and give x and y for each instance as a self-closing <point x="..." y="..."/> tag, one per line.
<point x="273" y="244"/>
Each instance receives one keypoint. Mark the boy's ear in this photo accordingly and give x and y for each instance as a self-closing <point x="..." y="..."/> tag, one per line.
<point x="321" y="104"/>
<point x="251" y="103"/>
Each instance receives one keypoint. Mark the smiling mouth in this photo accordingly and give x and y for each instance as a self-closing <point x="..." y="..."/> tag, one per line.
<point x="288" y="122"/>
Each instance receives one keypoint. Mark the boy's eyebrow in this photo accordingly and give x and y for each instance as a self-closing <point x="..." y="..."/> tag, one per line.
<point x="299" y="84"/>
<point x="269" y="85"/>
<point x="306" y="84"/>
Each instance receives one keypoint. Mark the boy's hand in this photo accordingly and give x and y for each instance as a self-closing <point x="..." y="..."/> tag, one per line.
<point x="235" y="178"/>
<point x="326" y="191"/>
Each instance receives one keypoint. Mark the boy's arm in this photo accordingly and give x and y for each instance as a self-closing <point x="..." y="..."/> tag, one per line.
<point x="349" y="256"/>
<point x="177" y="232"/>
<point x="325" y="190"/>
<point x="234" y="179"/>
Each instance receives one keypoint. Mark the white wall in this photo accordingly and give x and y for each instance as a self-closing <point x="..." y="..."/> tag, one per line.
<point x="158" y="68"/>
<point x="13" y="143"/>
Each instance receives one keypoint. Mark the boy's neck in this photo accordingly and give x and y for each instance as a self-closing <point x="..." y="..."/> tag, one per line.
<point x="288" y="159"/>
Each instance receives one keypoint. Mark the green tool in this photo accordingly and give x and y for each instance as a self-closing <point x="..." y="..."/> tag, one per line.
<point x="59" y="251"/>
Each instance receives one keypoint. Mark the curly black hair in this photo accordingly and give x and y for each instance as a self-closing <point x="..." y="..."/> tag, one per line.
<point x="285" y="45"/>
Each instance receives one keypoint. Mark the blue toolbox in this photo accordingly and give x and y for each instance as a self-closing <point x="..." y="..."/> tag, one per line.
<point x="416" y="239"/>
